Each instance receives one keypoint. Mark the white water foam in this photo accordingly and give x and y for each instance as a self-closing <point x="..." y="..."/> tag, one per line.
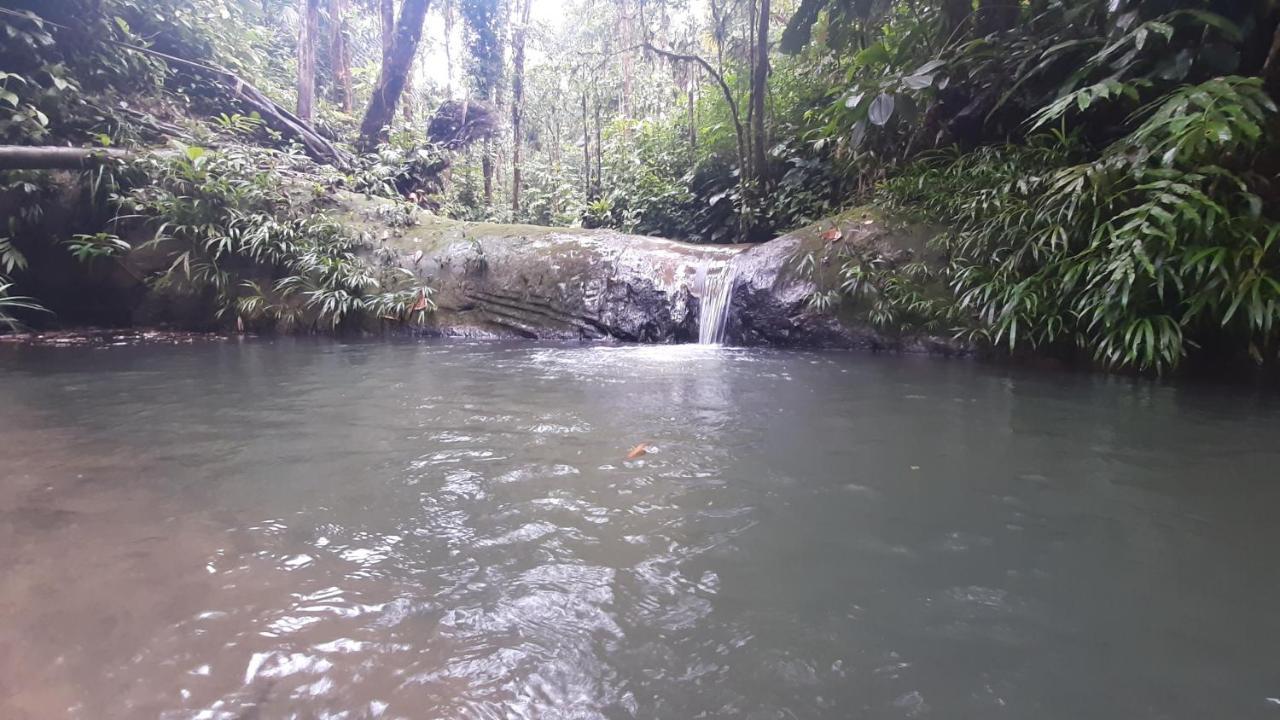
<point x="717" y="294"/>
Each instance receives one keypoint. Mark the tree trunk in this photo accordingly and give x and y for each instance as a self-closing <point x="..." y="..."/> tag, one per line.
<point x="693" y="109"/>
<point x="307" y="31"/>
<point x="406" y="105"/>
<point x="387" y="23"/>
<point x="586" y="151"/>
<point x="995" y="16"/>
<point x="395" y="70"/>
<point x="341" y="52"/>
<point x="628" y="60"/>
<point x="517" y="104"/>
<point x="599" y="186"/>
<point x="1271" y="68"/>
<point x="955" y="16"/>
<point x="448" y="49"/>
<point x="482" y="17"/>
<point x="26" y="157"/>
<point x="759" y="90"/>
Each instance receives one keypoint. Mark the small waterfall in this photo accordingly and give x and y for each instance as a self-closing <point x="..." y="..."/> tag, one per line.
<point x="717" y="294"/>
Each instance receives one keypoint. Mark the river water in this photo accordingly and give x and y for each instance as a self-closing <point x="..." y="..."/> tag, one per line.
<point x="274" y="529"/>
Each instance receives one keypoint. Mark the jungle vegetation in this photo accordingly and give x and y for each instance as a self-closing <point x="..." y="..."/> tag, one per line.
<point x="1102" y="173"/>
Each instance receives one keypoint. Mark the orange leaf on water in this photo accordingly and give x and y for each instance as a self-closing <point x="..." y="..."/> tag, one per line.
<point x="637" y="451"/>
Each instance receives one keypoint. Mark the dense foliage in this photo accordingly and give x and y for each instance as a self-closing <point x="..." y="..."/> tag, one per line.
<point x="233" y="228"/>
<point x="1102" y="171"/>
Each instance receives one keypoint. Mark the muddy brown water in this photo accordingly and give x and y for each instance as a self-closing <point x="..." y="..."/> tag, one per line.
<point x="276" y="529"/>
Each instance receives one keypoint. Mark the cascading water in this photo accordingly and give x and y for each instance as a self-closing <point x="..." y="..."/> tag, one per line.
<point x="717" y="294"/>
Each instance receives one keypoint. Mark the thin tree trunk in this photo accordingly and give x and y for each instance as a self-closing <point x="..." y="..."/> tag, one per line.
<point x="693" y="109"/>
<point x="341" y="52"/>
<point x="628" y="61"/>
<point x="499" y="99"/>
<point x="586" y="150"/>
<point x="448" y="49"/>
<point x="753" y="10"/>
<point x="517" y="104"/>
<point x="599" y="186"/>
<point x="395" y="70"/>
<point x="759" y="89"/>
<point x="486" y="169"/>
<point x="406" y="98"/>
<point x="307" y="32"/>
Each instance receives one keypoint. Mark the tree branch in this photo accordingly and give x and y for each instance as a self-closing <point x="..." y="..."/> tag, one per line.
<point x="724" y="89"/>
<point x="29" y="157"/>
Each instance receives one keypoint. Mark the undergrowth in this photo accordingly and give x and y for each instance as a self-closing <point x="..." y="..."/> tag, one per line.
<point x="239" y="223"/>
<point x="1138" y="254"/>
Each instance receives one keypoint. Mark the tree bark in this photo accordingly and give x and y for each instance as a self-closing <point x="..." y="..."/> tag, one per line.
<point x="759" y="90"/>
<point x="693" y="109"/>
<point x="599" y="186"/>
<point x="28" y="157"/>
<point x="628" y="62"/>
<point x="1271" y="68"/>
<point x="387" y="23"/>
<point x="340" y="50"/>
<point x="586" y="150"/>
<point x="481" y="17"/>
<point x="280" y="119"/>
<point x="307" y="31"/>
<point x="517" y="104"/>
<point x="955" y="16"/>
<point x="406" y="104"/>
<point x="486" y="171"/>
<point x="448" y="49"/>
<point x="995" y="16"/>
<point x="395" y="70"/>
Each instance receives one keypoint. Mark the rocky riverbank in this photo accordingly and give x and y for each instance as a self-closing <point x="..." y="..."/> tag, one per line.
<point x="537" y="282"/>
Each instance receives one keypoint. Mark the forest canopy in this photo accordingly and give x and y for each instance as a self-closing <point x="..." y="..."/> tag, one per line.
<point x="1102" y="172"/>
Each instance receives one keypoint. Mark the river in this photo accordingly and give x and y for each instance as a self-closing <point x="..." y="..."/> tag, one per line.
<point x="293" y="528"/>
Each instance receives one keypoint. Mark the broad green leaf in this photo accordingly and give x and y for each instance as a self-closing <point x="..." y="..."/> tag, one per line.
<point x="881" y="109"/>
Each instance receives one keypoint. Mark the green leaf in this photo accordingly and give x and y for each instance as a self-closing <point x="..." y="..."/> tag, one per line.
<point x="881" y="109"/>
<point x="918" y="82"/>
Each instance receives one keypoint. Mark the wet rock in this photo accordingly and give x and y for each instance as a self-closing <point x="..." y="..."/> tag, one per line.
<point x="537" y="282"/>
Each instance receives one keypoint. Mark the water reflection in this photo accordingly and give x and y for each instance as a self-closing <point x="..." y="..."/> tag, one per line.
<point x="402" y="530"/>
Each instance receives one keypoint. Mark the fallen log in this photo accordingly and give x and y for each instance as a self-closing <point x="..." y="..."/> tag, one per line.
<point x="251" y="99"/>
<point x="277" y="118"/>
<point x="26" y="157"/>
